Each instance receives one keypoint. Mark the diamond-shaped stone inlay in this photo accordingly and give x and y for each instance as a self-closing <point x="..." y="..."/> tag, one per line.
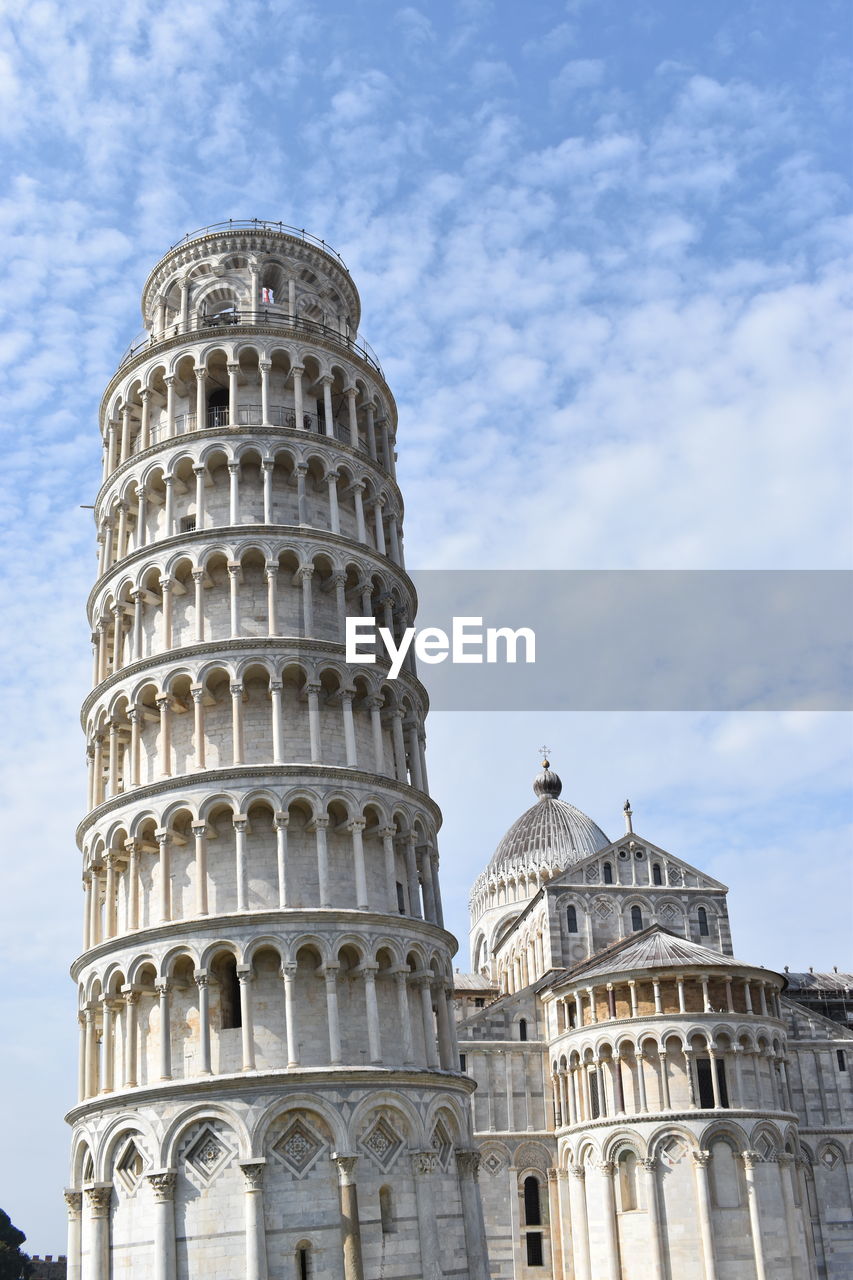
<point x="765" y="1147"/>
<point x="829" y="1158"/>
<point x="130" y="1166"/>
<point x="591" y="874"/>
<point x="298" y="1148"/>
<point x="382" y="1143"/>
<point x="442" y="1144"/>
<point x="603" y="909"/>
<point x="673" y="1151"/>
<point x="207" y="1154"/>
<point x="668" y="911"/>
<point x="492" y="1163"/>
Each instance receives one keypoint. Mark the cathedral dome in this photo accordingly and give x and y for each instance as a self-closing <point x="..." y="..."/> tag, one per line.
<point x="552" y="833"/>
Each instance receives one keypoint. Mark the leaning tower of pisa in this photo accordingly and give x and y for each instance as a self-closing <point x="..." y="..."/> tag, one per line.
<point x="268" y="1078"/>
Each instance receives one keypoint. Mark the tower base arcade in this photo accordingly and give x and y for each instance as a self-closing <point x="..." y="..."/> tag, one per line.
<point x="333" y="1175"/>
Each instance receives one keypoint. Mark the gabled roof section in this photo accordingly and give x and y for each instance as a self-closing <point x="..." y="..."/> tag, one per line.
<point x="652" y="948"/>
<point x="570" y="875"/>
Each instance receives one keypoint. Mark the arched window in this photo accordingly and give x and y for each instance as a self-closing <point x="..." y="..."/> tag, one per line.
<point x="217" y="407"/>
<point x="627" y="1165"/>
<point x="532" y="1205"/>
<point x="522" y="1028"/>
<point x="703" y="922"/>
<point x="229" y="995"/>
<point x="571" y="919"/>
<point x="657" y="877"/>
<point x="304" y="1270"/>
<point x="386" y="1210"/>
<point x="636" y="919"/>
<point x="608" y="873"/>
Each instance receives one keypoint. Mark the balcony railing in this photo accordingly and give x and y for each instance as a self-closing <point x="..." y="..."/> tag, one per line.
<point x="266" y="316"/>
<point x="259" y="224"/>
<point x="250" y="415"/>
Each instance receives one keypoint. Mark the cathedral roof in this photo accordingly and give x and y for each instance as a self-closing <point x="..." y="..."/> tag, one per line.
<point x="552" y="833"/>
<point x="653" y="948"/>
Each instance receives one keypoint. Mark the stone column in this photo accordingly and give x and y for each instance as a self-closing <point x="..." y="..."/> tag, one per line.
<point x="361" y="530"/>
<point x="447" y="1059"/>
<point x="245" y="977"/>
<point x="163" y="1187"/>
<point x="375" y="705"/>
<point x="301" y="470"/>
<point x="169" y="507"/>
<point x="233" y="370"/>
<point x="331" y="979"/>
<point x="234" y="577"/>
<point x="467" y="1166"/>
<point x="241" y="823"/>
<point x="401" y="977"/>
<point x="306" y="573"/>
<point x="199" y="830"/>
<point x="298" y="409"/>
<point x="164" y="840"/>
<point x="412" y="877"/>
<point x="236" y="723"/>
<point x="664" y="1082"/>
<point x="288" y="973"/>
<point x="98" y="1198"/>
<point x="339" y="581"/>
<point x="350" y="1225"/>
<point x="145" y="421"/>
<point x="200" y="404"/>
<point x="281" y="821"/>
<point x="265" y="366"/>
<point x="164" y="706"/>
<point x="334" y="512"/>
<point x="349" y="728"/>
<point x="320" y="825"/>
<point x="74" y="1209"/>
<point x="612" y="1270"/>
<point x="163" y="988"/>
<point x="580" y="1227"/>
<point x="108" y="1009"/>
<point x="690" y="1061"/>
<point x="131" y="1035"/>
<point x="750" y="1160"/>
<point x="266" y="473"/>
<point x="387" y="834"/>
<point x="799" y="1265"/>
<point x="424" y="1164"/>
<point x="655" y="1253"/>
<point x="374" y="1039"/>
<point x="424" y="980"/>
<point x="256" y="1236"/>
<point x="202" y="980"/>
<point x="356" y="828"/>
<point x="703" y="1207"/>
<point x="276" y="688"/>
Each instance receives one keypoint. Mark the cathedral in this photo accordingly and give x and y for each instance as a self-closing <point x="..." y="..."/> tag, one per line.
<point x="281" y="1077"/>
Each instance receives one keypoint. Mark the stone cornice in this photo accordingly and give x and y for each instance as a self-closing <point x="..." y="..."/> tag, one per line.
<point x="657" y="1020"/>
<point x="330" y="774"/>
<point x="246" y="644"/>
<point x="241" y="532"/>
<point x="623" y="1119"/>
<point x="216" y="435"/>
<point x="302" y="1079"/>
<point x="295" y="918"/>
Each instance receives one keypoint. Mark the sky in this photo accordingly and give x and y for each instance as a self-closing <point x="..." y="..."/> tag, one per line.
<point x="602" y="248"/>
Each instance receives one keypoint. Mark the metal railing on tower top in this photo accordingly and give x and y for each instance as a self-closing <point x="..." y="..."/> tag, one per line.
<point x="260" y="224"/>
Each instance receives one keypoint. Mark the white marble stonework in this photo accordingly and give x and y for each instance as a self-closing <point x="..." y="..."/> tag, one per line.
<point x="648" y="1107"/>
<point x="269" y="1084"/>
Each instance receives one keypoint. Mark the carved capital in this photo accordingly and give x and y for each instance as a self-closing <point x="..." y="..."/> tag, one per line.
<point x="253" y="1172"/>
<point x="578" y="1170"/>
<point x="750" y="1159"/>
<point x="73" y="1201"/>
<point x="162" y="986"/>
<point x="346" y="1165"/>
<point x="99" y="1197"/>
<point x="424" y="1162"/>
<point x="606" y="1168"/>
<point x="785" y="1159"/>
<point x="650" y="1165"/>
<point x="163" y="1185"/>
<point x="701" y="1158"/>
<point x="468" y="1163"/>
